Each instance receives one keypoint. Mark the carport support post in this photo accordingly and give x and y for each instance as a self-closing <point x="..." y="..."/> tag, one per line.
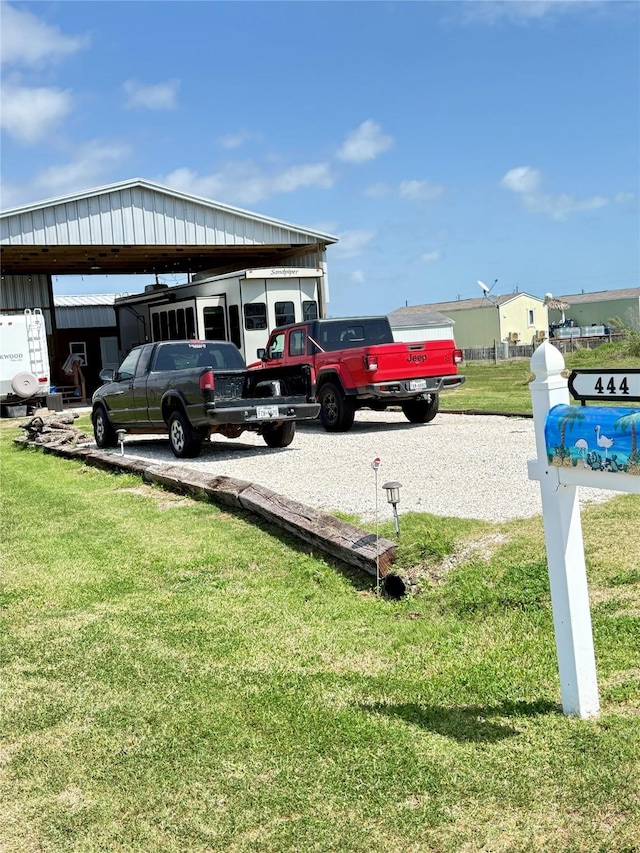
<point x="565" y="548"/>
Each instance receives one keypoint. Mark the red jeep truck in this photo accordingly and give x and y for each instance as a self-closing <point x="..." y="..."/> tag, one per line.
<point x="355" y="363"/>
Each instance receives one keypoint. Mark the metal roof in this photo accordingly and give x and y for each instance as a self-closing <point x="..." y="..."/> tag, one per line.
<point x="88" y="311"/>
<point x="458" y="305"/>
<point x="601" y="296"/>
<point x="419" y="318"/>
<point x="138" y="226"/>
<point x="85" y="300"/>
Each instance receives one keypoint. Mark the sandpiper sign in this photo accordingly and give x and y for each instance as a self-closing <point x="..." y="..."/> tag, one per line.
<point x="593" y="446"/>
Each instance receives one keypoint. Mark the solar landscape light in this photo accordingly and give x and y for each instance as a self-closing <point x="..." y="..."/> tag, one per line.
<point x="393" y="497"/>
<point x="120" y="433"/>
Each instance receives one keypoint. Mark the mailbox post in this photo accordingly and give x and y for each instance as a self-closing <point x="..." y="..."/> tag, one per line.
<point x="565" y="550"/>
<point x="589" y="461"/>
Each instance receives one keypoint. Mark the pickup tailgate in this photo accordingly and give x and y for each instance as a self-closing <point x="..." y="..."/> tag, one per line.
<point x="274" y="394"/>
<point x="387" y="362"/>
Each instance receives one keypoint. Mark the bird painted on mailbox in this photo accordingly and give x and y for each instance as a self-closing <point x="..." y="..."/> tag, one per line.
<point x="603" y="441"/>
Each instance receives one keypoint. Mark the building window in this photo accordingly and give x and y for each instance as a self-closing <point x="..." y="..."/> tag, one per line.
<point x="190" y="320"/>
<point x="164" y="326"/>
<point x="234" y="325"/>
<point x="309" y="310"/>
<point x="214" y="329"/>
<point x="284" y="313"/>
<point x="79" y="348"/>
<point x="182" y="329"/>
<point x="255" y="315"/>
<point x="531" y="316"/>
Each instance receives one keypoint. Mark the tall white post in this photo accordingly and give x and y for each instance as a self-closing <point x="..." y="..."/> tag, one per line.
<point x="565" y="548"/>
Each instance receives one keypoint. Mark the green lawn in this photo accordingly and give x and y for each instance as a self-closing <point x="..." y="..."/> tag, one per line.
<point x="180" y="678"/>
<point x="504" y="387"/>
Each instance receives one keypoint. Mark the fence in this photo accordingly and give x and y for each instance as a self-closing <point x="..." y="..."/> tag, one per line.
<point x="500" y="350"/>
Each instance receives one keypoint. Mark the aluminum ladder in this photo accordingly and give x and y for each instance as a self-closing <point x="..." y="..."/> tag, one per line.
<point x="35" y="324"/>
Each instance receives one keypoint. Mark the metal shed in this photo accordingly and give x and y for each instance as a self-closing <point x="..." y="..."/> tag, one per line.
<point x="138" y="226"/>
<point x="421" y="326"/>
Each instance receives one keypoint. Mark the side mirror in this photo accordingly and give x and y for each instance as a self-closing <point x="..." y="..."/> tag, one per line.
<point x="262" y="354"/>
<point x="107" y="374"/>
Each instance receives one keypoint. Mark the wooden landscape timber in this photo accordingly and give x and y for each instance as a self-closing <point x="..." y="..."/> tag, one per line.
<point x="319" y="530"/>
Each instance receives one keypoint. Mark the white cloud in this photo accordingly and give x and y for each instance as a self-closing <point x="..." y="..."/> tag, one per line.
<point x="324" y="227"/>
<point x="523" y="11"/>
<point x="353" y="243"/>
<point x="560" y="206"/>
<point x="526" y="181"/>
<point x="379" y="190"/>
<point x="158" y="96"/>
<point x="26" y="40"/>
<point x="29" y="114"/>
<point x="246" y="183"/>
<point x="420" y="190"/>
<point x="237" y="140"/>
<point x="88" y="167"/>
<point x="357" y="276"/>
<point x="624" y="197"/>
<point x="364" y="143"/>
<point x="431" y="257"/>
<point x="413" y="190"/>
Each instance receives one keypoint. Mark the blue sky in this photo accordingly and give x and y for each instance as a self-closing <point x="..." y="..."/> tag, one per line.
<point x="442" y="142"/>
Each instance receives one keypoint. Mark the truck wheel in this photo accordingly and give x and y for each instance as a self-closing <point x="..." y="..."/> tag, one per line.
<point x="103" y="431"/>
<point x="421" y="411"/>
<point x="336" y="411"/>
<point x="280" y="436"/>
<point x="185" y="441"/>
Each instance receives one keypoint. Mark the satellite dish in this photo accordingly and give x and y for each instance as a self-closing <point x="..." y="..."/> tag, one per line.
<point x="483" y="286"/>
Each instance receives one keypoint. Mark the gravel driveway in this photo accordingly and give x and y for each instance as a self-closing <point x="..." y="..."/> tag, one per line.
<point x="467" y="466"/>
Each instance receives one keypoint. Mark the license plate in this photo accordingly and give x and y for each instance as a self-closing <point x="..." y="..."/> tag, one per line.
<point x="267" y="412"/>
<point x="418" y="385"/>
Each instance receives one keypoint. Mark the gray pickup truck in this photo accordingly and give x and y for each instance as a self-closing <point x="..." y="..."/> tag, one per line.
<point x="192" y="389"/>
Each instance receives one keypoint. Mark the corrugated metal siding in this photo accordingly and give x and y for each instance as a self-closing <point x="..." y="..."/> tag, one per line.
<point x="18" y="292"/>
<point x="85" y="317"/>
<point x="140" y="216"/>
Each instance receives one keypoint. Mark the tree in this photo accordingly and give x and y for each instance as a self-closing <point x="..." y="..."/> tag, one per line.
<point x="572" y="415"/>
<point x="629" y="422"/>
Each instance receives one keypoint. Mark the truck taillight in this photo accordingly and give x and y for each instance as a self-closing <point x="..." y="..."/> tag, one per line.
<point x="43" y="379"/>
<point x="371" y="362"/>
<point x="458" y="356"/>
<point x="207" y="381"/>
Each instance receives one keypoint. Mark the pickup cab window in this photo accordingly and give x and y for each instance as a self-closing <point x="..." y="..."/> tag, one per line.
<point x="276" y="346"/>
<point x="297" y="342"/>
<point x="127" y="369"/>
<point x="182" y="356"/>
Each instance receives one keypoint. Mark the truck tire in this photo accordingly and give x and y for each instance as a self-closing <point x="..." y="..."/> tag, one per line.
<point x="185" y="441"/>
<point x="336" y="411"/>
<point x="421" y="411"/>
<point x="280" y="436"/>
<point x="103" y="431"/>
